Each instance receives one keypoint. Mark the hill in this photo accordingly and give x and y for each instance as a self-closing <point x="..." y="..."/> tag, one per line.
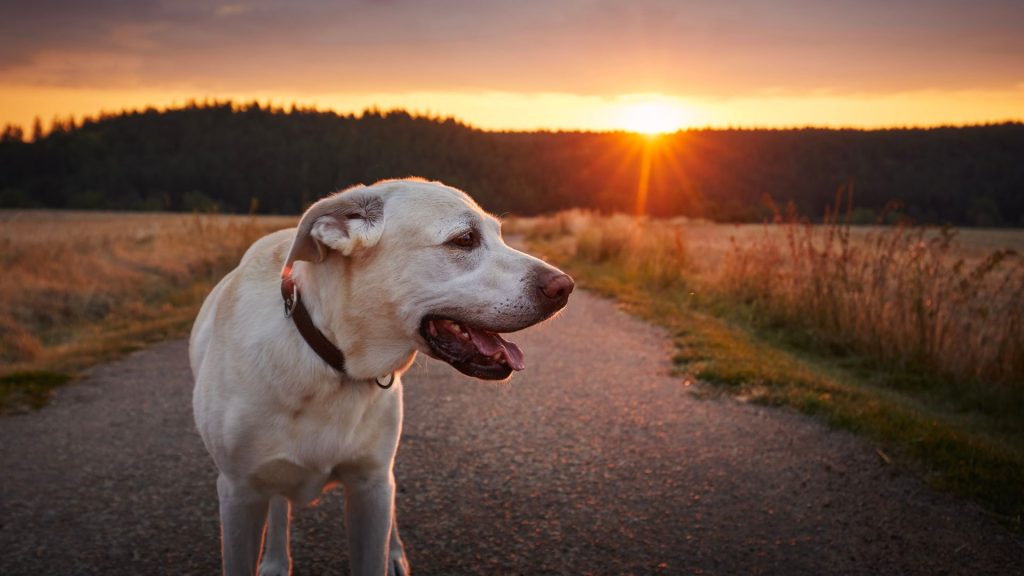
<point x="238" y="157"/>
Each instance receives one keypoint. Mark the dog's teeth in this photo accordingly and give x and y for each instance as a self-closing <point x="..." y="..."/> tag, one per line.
<point x="463" y="336"/>
<point x="496" y="355"/>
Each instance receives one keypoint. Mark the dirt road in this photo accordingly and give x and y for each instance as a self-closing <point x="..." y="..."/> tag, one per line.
<point x="594" y="460"/>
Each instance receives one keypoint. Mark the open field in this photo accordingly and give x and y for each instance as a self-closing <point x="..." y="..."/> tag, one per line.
<point x="921" y="294"/>
<point x="912" y="337"/>
<point x="81" y="287"/>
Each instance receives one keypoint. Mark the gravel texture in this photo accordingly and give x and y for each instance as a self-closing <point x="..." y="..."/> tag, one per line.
<point x="594" y="460"/>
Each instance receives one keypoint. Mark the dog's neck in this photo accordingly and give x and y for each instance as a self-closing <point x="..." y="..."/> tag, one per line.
<point x="372" y="341"/>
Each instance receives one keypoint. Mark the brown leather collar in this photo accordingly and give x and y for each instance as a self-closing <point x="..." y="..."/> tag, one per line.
<point x="294" y="308"/>
<point x="324" y="348"/>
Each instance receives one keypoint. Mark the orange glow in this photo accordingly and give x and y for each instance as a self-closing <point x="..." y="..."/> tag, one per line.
<point x="647" y="113"/>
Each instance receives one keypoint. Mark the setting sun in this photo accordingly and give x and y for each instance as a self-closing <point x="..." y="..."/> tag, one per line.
<point x="653" y="117"/>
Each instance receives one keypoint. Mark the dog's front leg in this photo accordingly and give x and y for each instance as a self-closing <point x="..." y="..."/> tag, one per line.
<point x="369" y="504"/>
<point x="243" y="513"/>
<point x="276" y="554"/>
<point x="398" y="564"/>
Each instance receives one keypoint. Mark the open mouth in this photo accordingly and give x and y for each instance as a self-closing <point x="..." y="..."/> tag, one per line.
<point x="471" y="350"/>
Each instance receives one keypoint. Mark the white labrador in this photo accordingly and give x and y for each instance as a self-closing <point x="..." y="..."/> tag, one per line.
<point x="383" y="271"/>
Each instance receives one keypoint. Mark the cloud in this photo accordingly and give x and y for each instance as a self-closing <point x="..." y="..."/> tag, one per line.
<point x="582" y="47"/>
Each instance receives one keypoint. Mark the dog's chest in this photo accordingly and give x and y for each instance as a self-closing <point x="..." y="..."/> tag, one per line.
<point x="325" y="440"/>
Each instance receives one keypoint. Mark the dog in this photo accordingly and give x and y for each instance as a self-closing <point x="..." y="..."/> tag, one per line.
<point x="298" y="356"/>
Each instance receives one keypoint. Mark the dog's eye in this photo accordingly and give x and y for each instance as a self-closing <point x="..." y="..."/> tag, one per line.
<point x="466" y="240"/>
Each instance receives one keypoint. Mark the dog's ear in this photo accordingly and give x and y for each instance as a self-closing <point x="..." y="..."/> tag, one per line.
<point x="345" y="222"/>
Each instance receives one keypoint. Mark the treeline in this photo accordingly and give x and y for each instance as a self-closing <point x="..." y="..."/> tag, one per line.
<point x="240" y="158"/>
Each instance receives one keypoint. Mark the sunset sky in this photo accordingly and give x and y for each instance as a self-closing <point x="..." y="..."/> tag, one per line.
<point x="526" y="64"/>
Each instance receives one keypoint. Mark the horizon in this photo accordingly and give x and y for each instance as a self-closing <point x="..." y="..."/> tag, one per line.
<point x="296" y="107"/>
<point x="646" y="66"/>
<point x="25" y="119"/>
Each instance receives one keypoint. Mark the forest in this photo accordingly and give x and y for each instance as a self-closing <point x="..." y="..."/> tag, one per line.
<point x="257" y="158"/>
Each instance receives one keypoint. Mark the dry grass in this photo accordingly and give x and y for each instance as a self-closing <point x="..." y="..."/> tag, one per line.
<point x="913" y="298"/>
<point x="905" y="297"/>
<point x="79" y="287"/>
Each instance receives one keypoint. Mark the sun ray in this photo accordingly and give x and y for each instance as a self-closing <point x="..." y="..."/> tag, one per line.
<point x="643" y="185"/>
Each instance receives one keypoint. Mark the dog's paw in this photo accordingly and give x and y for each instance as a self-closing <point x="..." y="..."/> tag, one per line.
<point x="274" y="568"/>
<point x="398" y="564"/>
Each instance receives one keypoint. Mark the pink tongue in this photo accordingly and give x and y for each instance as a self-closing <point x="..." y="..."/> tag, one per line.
<point x="488" y="343"/>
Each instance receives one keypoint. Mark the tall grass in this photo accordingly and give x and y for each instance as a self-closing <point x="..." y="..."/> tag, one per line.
<point x="70" y="277"/>
<point x="907" y="297"/>
<point x="904" y="296"/>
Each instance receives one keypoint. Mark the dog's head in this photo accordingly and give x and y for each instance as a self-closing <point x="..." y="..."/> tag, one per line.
<point x="421" y="262"/>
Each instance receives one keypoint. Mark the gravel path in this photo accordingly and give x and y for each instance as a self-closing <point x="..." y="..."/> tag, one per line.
<point x="592" y="461"/>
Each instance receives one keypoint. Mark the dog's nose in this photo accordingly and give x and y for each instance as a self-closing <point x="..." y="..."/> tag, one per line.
<point x="557" y="286"/>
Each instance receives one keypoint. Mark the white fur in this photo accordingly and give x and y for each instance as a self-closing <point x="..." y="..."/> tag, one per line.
<point x="279" y="423"/>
